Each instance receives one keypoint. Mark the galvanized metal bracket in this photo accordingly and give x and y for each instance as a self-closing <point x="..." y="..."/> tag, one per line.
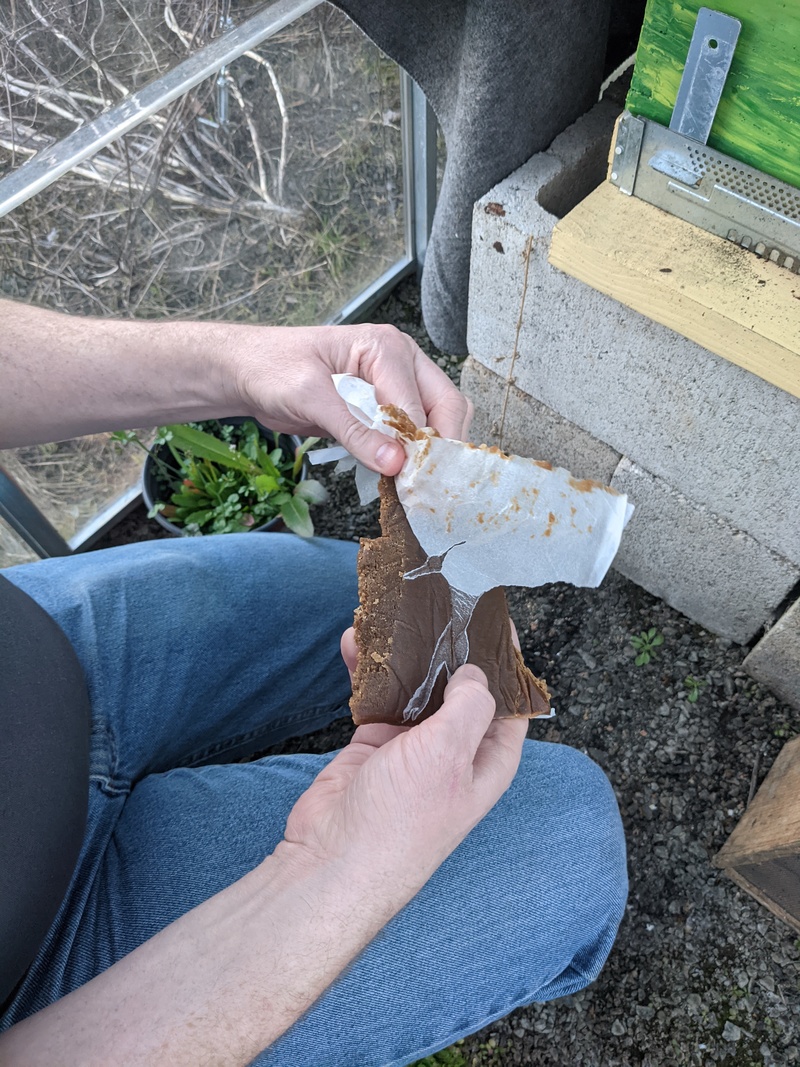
<point x="707" y="64"/>
<point x="675" y="169"/>
<point x="628" y="147"/>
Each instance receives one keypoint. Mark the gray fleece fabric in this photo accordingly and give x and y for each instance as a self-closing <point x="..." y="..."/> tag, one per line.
<point x="504" y="77"/>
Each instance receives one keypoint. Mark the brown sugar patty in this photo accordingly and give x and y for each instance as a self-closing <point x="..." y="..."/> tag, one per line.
<point x="399" y="622"/>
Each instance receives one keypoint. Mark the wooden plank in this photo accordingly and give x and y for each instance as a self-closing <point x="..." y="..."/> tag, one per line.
<point x="758" y="120"/>
<point x="771" y="825"/>
<point x="743" y="308"/>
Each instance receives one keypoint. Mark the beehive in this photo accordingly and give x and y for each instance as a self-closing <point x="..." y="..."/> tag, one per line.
<point x="758" y="120"/>
<point x="762" y="855"/>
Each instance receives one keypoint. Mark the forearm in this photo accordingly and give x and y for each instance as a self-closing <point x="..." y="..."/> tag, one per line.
<point x="220" y="984"/>
<point x="63" y="376"/>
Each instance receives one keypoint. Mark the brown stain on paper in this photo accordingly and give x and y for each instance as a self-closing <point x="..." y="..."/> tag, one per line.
<point x="588" y="485"/>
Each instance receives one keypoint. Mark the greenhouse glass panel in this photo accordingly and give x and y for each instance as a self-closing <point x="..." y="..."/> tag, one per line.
<point x="272" y="192"/>
<point x="13" y="549"/>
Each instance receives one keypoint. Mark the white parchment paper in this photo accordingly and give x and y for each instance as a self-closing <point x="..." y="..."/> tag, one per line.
<point x="497" y="519"/>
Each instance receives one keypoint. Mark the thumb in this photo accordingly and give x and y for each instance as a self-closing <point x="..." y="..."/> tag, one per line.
<point x="466" y="712"/>
<point x="370" y="447"/>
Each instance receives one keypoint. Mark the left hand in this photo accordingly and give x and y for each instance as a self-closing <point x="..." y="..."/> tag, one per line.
<point x="283" y="378"/>
<point x="393" y="804"/>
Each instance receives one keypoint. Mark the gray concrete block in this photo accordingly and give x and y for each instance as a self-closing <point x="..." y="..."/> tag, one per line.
<point x="530" y="428"/>
<point x="697" y="561"/>
<point x="714" y="431"/>
<point x="775" y="660"/>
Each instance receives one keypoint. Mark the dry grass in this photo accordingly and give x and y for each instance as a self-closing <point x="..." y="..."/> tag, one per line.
<point x="279" y="214"/>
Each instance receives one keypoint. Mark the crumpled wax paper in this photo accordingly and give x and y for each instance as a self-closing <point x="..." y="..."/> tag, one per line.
<point x="487" y="519"/>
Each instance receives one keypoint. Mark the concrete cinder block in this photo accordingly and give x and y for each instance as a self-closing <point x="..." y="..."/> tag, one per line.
<point x="697" y="561"/>
<point x="710" y="429"/>
<point x="678" y="550"/>
<point x="531" y="428"/>
<point x="775" y="660"/>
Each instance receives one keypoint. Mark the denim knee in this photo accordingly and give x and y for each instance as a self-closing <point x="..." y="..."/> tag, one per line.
<point x="567" y="795"/>
<point x="567" y="817"/>
<point x="526" y="909"/>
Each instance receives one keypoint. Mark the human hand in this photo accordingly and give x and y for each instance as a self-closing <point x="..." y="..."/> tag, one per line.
<point x="283" y="378"/>
<point x="395" y="803"/>
<point x="145" y="373"/>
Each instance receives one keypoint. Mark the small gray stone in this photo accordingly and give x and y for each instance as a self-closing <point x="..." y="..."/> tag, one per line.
<point x="731" y="1032"/>
<point x="694" y="1003"/>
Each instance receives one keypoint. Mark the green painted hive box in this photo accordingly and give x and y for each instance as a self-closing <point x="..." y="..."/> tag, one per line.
<point x="758" y="121"/>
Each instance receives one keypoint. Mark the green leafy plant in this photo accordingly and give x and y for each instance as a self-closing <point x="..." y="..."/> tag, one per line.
<point x="218" y="478"/>
<point x="448" y="1057"/>
<point x="646" y="644"/>
<point x="693" y="687"/>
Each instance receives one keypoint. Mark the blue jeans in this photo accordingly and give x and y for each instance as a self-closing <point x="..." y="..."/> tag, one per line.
<point x="199" y="651"/>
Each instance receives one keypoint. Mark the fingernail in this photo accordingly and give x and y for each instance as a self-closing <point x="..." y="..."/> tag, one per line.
<point x="386" y="458"/>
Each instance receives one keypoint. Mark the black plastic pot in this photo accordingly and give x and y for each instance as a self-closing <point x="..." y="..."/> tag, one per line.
<point x="150" y="487"/>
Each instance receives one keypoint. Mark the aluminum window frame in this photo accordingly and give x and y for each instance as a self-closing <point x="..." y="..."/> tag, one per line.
<point x="36" y="174"/>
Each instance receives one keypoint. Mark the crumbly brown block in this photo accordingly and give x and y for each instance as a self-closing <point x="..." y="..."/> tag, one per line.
<point x="399" y="621"/>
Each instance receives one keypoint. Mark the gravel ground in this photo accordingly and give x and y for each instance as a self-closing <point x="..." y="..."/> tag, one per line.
<point x="700" y="973"/>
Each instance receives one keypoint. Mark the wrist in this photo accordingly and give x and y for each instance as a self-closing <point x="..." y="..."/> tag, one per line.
<point x="328" y="881"/>
<point x="206" y="362"/>
<point x="372" y="885"/>
<point x="269" y="367"/>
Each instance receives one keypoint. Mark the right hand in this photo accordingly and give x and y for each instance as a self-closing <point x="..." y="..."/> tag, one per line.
<point x="283" y="377"/>
<point x="397" y="800"/>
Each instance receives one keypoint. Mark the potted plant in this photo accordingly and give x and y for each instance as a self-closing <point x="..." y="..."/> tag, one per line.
<point x="227" y="476"/>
